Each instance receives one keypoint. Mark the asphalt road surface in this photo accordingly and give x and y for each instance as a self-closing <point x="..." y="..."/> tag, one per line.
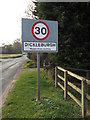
<point x="9" y="69"/>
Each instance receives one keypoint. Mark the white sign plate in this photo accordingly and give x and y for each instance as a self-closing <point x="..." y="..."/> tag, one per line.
<point x="39" y="46"/>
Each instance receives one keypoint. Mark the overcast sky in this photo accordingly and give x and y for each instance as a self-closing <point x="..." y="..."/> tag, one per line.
<point x="11" y="12"/>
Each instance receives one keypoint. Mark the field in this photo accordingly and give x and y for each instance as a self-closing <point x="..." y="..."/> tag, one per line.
<point x="22" y="103"/>
<point x="4" y="56"/>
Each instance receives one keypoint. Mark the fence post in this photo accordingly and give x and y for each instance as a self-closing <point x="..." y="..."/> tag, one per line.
<point x="55" y="76"/>
<point x="83" y="84"/>
<point x="88" y="90"/>
<point x="65" y="85"/>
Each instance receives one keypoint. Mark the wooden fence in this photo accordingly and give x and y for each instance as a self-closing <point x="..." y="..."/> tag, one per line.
<point x="81" y="91"/>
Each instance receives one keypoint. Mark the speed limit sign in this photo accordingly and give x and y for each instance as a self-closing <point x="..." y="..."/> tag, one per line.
<point x="39" y="35"/>
<point x="40" y="30"/>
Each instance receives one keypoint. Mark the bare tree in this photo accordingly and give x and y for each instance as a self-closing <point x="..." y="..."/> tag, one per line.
<point x="31" y="10"/>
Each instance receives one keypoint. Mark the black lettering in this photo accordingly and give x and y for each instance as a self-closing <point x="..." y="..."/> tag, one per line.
<point x="38" y="30"/>
<point x="43" y="30"/>
<point x="26" y="44"/>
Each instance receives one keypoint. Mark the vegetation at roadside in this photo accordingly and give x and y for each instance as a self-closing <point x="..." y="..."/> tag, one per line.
<point x="10" y="56"/>
<point x="21" y="101"/>
<point x="12" y="49"/>
<point x="29" y="64"/>
<point x="73" y="32"/>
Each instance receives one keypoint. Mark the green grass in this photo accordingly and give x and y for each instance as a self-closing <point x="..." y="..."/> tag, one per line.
<point x="10" y="56"/>
<point x="21" y="102"/>
<point x="29" y="64"/>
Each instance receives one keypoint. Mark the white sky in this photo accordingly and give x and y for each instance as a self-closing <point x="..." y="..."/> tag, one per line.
<point x="11" y="12"/>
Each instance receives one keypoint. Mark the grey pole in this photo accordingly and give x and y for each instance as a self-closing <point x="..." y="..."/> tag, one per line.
<point x="38" y="76"/>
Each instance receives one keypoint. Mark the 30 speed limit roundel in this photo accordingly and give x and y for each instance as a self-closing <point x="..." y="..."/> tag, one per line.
<point x="40" y="30"/>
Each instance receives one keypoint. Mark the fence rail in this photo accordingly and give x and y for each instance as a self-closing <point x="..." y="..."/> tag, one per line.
<point x="81" y="91"/>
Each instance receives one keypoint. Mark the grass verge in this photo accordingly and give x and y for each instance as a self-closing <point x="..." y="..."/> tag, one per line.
<point x="29" y="64"/>
<point x="10" y="56"/>
<point x="21" y="101"/>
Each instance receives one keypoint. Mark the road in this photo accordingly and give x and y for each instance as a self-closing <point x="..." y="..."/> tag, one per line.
<point x="9" y="69"/>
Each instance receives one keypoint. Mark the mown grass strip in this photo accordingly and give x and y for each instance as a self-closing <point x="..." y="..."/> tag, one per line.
<point x="11" y="56"/>
<point x="21" y="102"/>
<point x="29" y="64"/>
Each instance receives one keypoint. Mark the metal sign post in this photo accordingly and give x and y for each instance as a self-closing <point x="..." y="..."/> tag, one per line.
<point x="38" y="76"/>
<point x="39" y="36"/>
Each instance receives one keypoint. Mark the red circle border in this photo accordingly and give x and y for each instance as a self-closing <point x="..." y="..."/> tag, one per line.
<point x="33" y="30"/>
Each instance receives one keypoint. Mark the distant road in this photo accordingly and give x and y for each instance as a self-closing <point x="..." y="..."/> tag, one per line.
<point x="9" y="69"/>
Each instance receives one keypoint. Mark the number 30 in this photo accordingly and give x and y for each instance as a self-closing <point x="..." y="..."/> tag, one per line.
<point x="42" y="30"/>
